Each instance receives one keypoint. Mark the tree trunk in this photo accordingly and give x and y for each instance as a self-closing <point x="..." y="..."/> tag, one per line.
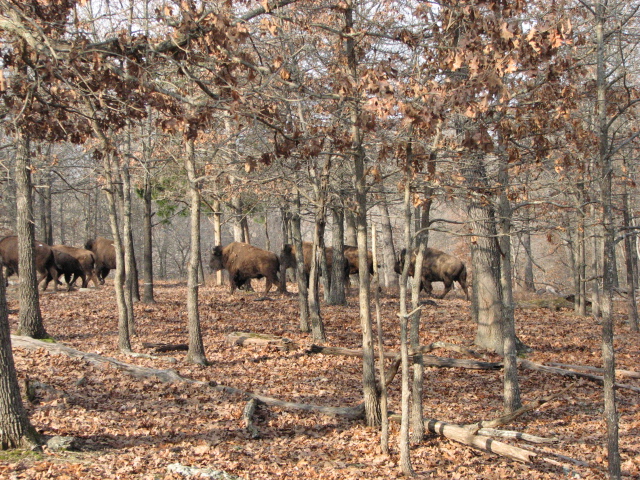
<point x="128" y="246"/>
<point x="300" y="274"/>
<point x="217" y="232"/>
<point x="15" y="429"/>
<point x="529" y="284"/>
<point x="486" y="303"/>
<point x="403" y="440"/>
<point x="417" y="422"/>
<point x="147" y="255"/>
<point x="370" y="388"/>
<point x="47" y="224"/>
<point x="350" y="233"/>
<point x="30" y="317"/>
<point x="196" y="352"/>
<point x="511" y="385"/>
<point x="608" y="264"/>
<point x="337" y="287"/>
<point x="238" y="230"/>
<point x="388" y="250"/>
<point x="284" y="226"/>
<point x="632" y="307"/>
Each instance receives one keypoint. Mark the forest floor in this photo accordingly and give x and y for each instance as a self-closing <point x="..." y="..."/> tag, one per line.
<point x="135" y="428"/>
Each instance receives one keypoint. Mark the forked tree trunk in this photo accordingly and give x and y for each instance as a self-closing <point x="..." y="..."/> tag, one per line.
<point x="196" y="352"/>
<point x="30" y="317"/>
<point x="15" y="429"/>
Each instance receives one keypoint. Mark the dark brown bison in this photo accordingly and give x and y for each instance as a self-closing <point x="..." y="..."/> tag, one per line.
<point x="437" y="267"/>
<point x="105" y="256"/>
<point x="87" y="261"/>
<point x="351" y="255"/>
<point x="244" y="262"/>
<point x="44" y="259"/>
<point x="66" y="265"/>
<point x="289" y="260"/>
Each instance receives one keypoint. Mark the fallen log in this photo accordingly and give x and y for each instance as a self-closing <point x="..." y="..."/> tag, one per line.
<point x="571" y="373"/>
<point x="492" y="432"/>
<point x="463" y="435"/>
<point x="429" y="360"/>
<point x="509" y="417"/>
<point x="166" y="347"/>
<point x="171" y="376"/>
<point x="621" y="373"/>
<point x="260" y="339"/>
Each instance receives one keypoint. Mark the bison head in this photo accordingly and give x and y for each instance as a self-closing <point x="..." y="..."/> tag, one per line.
<point x="216" y="263"/>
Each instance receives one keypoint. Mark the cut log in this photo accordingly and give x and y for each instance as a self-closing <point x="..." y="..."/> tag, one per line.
<point x="261" y="339"/>
<point x="462" y="435"/>
<point x="465" y="436"/>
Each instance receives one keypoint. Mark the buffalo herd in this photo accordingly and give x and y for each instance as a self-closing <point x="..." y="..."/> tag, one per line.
<point x="242" y="260"/>
<point x="91" y="263"/>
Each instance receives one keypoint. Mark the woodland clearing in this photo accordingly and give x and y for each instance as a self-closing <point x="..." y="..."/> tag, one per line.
<point x="135" y="428"/>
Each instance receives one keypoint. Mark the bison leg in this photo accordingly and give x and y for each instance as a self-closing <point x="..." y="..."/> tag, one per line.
<point x="448" y="284"/>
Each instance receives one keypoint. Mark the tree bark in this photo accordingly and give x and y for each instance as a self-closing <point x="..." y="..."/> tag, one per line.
<point x="30" y="317"/>
<point x="129" y="261"/>
<point x="511" y="385"/>
<point x="147" y="255"/>
<point x="388" y="250"/>
<point x="196" y="352"/>
<point x="15" y="429"/>
<point x="337" y="288"/>
<point x="632" y="307"/>
<point x="487" y="303"/>
<point x="300" y="274"/>
<point x="608" y="260"/>
<point x="370" y="388"/>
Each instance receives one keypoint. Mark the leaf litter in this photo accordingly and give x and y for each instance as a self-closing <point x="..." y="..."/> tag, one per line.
<point x="132" y="428"/>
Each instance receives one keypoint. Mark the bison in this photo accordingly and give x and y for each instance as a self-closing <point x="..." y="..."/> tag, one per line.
<point x="244" y="262"/>
<point x="351" y="267"/>
<point x="437" y="267"/>
<point x="105" y="256"/>
<point x="44" y="260"/>
<point x="66" y="265"/>
<point x="87" y="261"/>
